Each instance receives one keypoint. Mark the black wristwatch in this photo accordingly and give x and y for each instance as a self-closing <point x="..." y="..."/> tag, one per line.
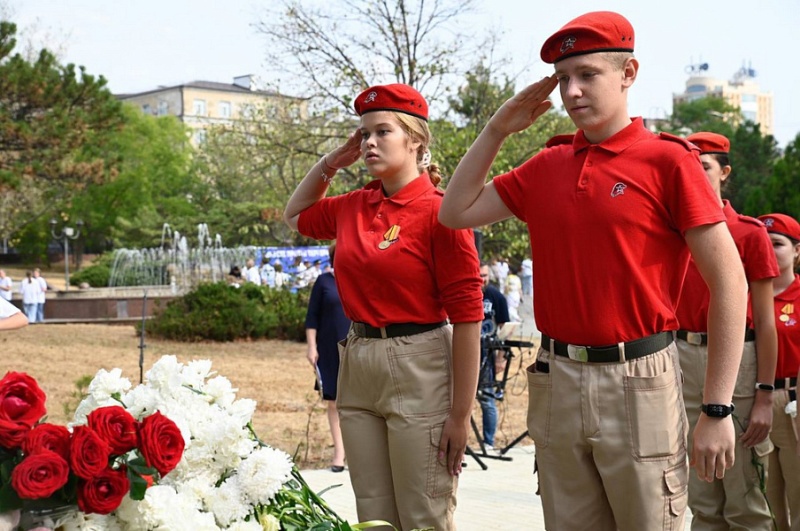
<point x="764" y="387"/>
<point x="717" y="410"/>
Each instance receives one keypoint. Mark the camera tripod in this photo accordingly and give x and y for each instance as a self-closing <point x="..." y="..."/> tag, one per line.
<point x="489" y="385"/>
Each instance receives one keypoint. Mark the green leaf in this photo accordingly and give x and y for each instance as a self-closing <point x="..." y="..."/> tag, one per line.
<point x="138" y="485"/>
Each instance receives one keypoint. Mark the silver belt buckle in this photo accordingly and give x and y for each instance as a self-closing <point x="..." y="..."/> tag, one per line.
<point x="694" y="338"/>
<point x="578" y="353"/>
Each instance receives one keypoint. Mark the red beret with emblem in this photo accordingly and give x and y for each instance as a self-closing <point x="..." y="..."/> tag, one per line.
<point x="710" y="143"/>
<point x="782" y="224"/>
<point x="599" y="31"/>
<point x="396" y="97"/>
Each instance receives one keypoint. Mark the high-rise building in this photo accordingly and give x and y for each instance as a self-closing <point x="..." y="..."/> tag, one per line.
<point x="201" y="104"/>
<point x="741" y="91"/>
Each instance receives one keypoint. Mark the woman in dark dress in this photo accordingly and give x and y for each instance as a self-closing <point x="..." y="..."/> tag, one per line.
<point x="326" y="325"/>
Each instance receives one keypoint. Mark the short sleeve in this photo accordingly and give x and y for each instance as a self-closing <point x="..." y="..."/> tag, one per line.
<point x="7" y="309"/>
<point x="760" y="262"/>
<point x="319" y="221"/>
<point x="457" y="272"/>
<point x="690" y="199"/>
<point x="512" y="187"/>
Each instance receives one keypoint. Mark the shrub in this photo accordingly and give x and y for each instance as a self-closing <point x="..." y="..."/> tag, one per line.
<point x="219" y="312"/>
<point x="96" y="275"/>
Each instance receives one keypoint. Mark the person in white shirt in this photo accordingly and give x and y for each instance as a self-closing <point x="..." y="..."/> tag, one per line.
<point x="30" y="290"/>
<point x="5" y="286"/>
<point x="10" y="316"/>
<point x="281" y="278"/>
<point x="251" y="273"/>
<point x="267" y="273"/>
<point x="42" y="297"/>
<point x="526" y="276"/>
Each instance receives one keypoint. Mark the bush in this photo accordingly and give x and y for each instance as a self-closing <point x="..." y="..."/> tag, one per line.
<point x="96" y="275"/>
<point x="219" y="312"/>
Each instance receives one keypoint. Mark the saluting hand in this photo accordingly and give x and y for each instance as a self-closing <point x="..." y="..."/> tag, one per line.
<point x="346" y="154"/>
<point x="518" y="113"/>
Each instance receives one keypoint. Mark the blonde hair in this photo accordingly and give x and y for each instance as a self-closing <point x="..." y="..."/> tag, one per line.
<point x="617" y="59"/>
<point x="417" y="130"/>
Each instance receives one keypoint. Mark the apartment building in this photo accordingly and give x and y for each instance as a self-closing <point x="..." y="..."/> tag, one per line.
<point x="741" y="91"/>
<point x="201" y="104"/>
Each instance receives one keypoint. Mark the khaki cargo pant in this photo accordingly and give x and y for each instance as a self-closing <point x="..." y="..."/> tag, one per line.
<point x="394" y="396"/>
<point x="610" y="443"/>
<point x="783" y="486"/>
<point x="736" y="501"/>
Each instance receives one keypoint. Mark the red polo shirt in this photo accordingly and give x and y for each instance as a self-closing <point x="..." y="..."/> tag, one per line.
<point x="758" y="259"/>
<point x="606" y="224"/>
<point x="427" y="274"/>
<point x="787" y="321"/>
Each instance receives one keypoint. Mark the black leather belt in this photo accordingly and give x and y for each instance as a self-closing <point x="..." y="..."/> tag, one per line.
<point x="701" y="338"/>
<point x="393" y="330"/>
<point x="781" y="383"/>
<point x="608" y="354"/>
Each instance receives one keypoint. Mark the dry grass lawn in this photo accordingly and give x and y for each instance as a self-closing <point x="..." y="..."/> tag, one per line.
<point x="274" y="373"/>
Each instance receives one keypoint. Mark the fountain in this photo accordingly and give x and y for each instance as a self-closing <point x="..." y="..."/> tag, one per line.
<point x="175" y="264"/>
<point x="162" y="273"/>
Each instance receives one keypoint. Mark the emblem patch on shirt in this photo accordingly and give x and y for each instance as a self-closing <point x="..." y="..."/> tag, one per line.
<point x="619" y="189"/>
<point x="568" y="43"/>
<point x="786" y="316"/>
<point x="389" y="237"/>
<point x="371" y="97"/>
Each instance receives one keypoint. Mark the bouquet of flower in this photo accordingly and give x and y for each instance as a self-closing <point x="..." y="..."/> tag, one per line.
<point x="185" y="429"/>
<point x="95" y="465"/>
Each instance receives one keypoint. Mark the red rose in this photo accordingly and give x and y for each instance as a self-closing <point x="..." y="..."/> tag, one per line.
<point x="104" y="492"/>
<point x="12" y="434"/>
<point x="88" y="453"/>
<point x="47" y="437"/>
<point x="116" y="427"/>
<point x="40" y="475"/>
<point x="161" y="443"/>
<point x="21" y="399"/>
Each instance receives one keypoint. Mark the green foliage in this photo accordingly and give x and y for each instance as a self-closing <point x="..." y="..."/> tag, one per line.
<point x="49" y="113"/>
<point x="96" y="275"/>
<point x="221" y="312"/>
<point x="782" y="190"/>
<point x="752" y="154"/>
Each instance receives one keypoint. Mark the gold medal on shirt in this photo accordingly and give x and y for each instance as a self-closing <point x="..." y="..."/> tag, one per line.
<point x="389" y="237"/>
<point x="784" y="318"/>
<point x="786" y="312"/>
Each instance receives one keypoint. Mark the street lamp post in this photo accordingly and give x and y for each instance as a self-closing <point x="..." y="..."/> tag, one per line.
<point x="66" y="234"/>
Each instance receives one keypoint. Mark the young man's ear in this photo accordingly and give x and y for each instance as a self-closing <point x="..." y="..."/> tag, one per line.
<point x="726" y="172"/>
<point x="629" y="71"/>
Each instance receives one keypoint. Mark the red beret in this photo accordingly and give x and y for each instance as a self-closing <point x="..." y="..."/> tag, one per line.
<point x="600" y="31"/>
<point x="710" y="143"/>
<point x="782" y="224"/>
<point x="396" y="97"/>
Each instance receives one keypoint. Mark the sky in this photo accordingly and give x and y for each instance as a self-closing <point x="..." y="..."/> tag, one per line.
<point x="142" y="44"/>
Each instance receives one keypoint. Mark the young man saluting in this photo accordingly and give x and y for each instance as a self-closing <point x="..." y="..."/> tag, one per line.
<point x="612" y="212"/>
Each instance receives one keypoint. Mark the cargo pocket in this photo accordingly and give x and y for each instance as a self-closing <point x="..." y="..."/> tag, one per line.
<point x="440" y="482"/>
<point x="655" y="415"/>
<point x="539" y="395"/>
<point x="421" y="376"/>
<point x="676" y="490"/>
<point x="748" y="371"/>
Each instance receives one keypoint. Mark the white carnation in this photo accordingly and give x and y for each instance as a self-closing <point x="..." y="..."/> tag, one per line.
<point x="250" y="525"/>
<point x="129" y="512"/>
<point x="263" y="474"/>
<point x="196" y="372"/>
<point x="242" y="410"/>
<point x="791" y="408"/>
<point x="227" y="502"/>
<point x="221" y="391"/>
<point x="107" y="383"/>
<point x="142" y="401"/>
<point x="165" y="375"/>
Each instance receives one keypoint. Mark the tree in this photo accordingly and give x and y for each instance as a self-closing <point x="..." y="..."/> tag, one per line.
<point x="336" y="51"/>
<point x="783" y="187"/>
<point x="752" y="154"/>
<point x="48" y="113"/>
